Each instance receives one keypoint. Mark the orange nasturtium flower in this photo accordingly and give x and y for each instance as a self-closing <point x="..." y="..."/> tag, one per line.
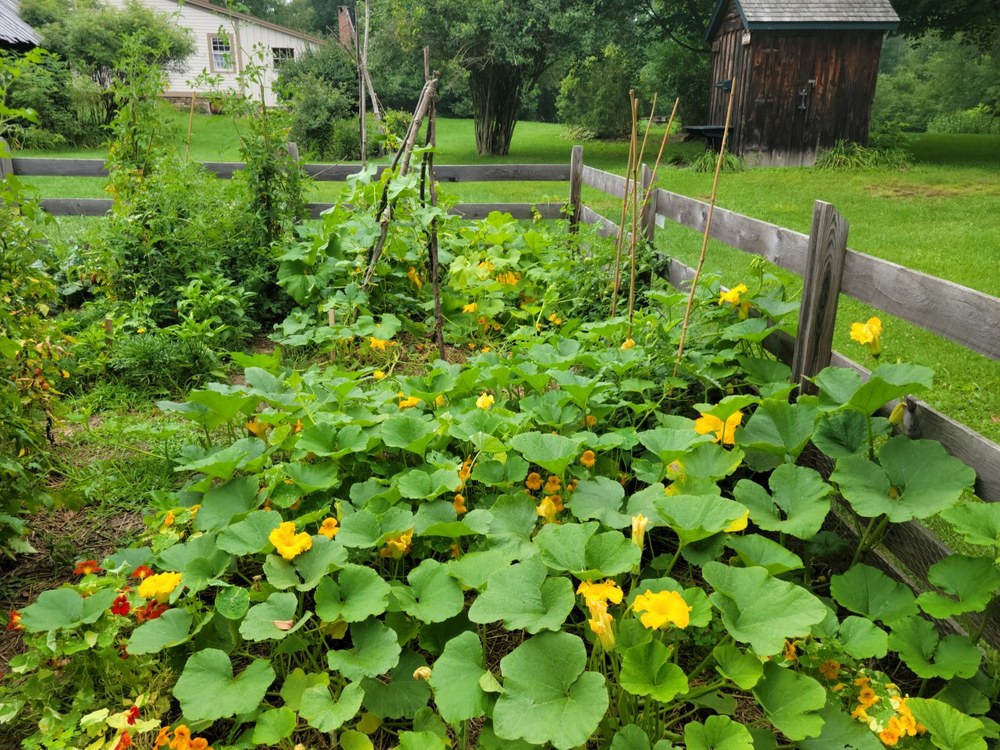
<point x="534" y="481"/>
<point x="397" y="546"/>
<point x="459" y="504"/>
<point x="830" y="669"/>
<point x="868" y="334"/>
<point x="142" y="572"/>
<point x="289" y="544"/>
<point x="14" y="623"/>
<point x="725" y="432"/>
<point x="86" y="567"/>
<point x="588" y="459"/>
<point x="160" y="586"/>
<point x="329" y="527"/>
<point x="662" y="608"/>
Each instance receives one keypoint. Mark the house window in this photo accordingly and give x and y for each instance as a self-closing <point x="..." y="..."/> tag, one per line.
<point x="281" y="55"/>
<point x="220" y="53"/>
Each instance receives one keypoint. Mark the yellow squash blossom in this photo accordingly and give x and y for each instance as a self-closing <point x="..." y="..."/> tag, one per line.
<point x="662" y="608"/>
<point x="329" y="527"/>
<point x="725" y="432"/>
<point x="470" y="308"/>
<point x="160" y="586"/>
<point x="407" y="402"/>
<point x="485" y="401"/>
<point x="603" y="627"/>
<point x="588" y="459"/>
<point x="397" y="546"/>
<point x="604" y="591"/>
<point x="440" y="400"/>
<point x="379" y="375"/>
<point x="413" y="276"/>
<point x="629" y="343"/>
<point x="289" y="544"/>
<point x="733" y="296"/>
<point x="422" y="673"/>
<point x="639" y="524"/>
<point x="377" y="343"/>
<point x="868" y="334"/>
<point x="549" y="508"/>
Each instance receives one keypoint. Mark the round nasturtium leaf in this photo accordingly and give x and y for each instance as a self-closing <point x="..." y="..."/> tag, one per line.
<point x="791" y="701"/>
<point x="358" y="593"/>
<point x="717" y="733"/>
<point x="232" y="602"/>
<point x="547" y="696"/>
<point x="647" y="670"/>
<point x="525" y="598"/>
<point x="326" y="714"/>
<point x="455" y="679"/>
<point x="207" y="688"/>
<point x="375" y="651"/>
<point x="274" y="725"/>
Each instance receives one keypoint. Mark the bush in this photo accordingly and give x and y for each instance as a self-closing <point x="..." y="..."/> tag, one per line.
<point x="849" y="155"/>
<point x="979" y="120"/>
<point x="159" y="361"/>
<point x="594" y="94"/>
<point x="707" y="161"/>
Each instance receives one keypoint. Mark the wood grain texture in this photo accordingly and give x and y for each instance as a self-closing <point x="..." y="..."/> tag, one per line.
<point x="35" y="167"/>
<point x="647" y="222"/>
<point x="820" y="294"/>
<point x="606" y="182"/>
<point x="575" y="186"/>
<point x="956" y="312"/>
<point x="6" y="165"/>
<point x="76" y="206"/>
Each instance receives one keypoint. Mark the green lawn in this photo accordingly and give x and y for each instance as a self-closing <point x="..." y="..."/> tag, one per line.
<point x="935" y="217"/>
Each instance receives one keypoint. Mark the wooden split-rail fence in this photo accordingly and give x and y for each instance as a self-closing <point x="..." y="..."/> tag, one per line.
<point x="828" y="269"/>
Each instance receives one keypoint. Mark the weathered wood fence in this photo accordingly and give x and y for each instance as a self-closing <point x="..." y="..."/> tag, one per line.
<point x="828" y="268"/>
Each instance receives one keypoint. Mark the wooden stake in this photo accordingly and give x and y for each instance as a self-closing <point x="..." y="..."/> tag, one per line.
<point x="187" y="146"/>
<point x="632" y="155"/>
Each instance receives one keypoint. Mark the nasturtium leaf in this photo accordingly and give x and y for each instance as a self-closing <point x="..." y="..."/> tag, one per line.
<point x="473" y="569"/>
<point x="325" y="555"/>
<point x="409" y="432"/>
<point x="647" y="670"/>
<point x="673" y="440"/>
<point x="977" y="523"/>
<point x="630" y="737"/>
<point x="888" y="382"/>
<point x="496" y="473"/>
<point x="351" y="739"/>
<point x="223" y="463"/>
<point x="863" y="639"/>
<point x="841" y="732"/>
<point x="777" y="432"/>
<point x="761" y="610"/>
<point x="358" y="593"/>
<point x="326" y="714"/>
<point x="753" y="549"/>
<point x="274" y="725"/>
<point x="297" y="682"/>
<point x="311" y="477"/>
<point x="417" y="484"/>
<point x="791" y="701"/>
<point x="548" y="697"/>
<point x="870" y="592"/>
<point x="375" y="651"/>
<point x="913" y="479"/>
<point x="438" y="518"/>
<point x="798" y="505"/>
<point x="917" y="642"/>
<point x="220" y="504"/>
<point x="947" y="727"/>
<point x="400" y="695"/>
<point x="841" y="433"/>
<point x="579" y="549"/>
<point x="455" y="679"/>
<point x="970" y="583"/>
<point x="169" y="629"/>
<point x="260" y="623"/>
<point x="232" y="602"/>
<point x="742" y="668"/>
<point x="694" y="518"/>
<point x="250" y="535"/>
<point x="207" y="688"/>
<point x="601" y="499"/>
<point x="717" y="733"/>
<point x="65" y="608"/>
<point x="524" y="598"/>
<point x="433" y="595"/>
<point x="422" y="741"/>
<point x="836" y="386"/>
<point x="552" y="452"/>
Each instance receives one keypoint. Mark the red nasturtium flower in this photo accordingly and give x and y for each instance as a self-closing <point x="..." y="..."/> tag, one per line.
<point x="124" y="742"/>
<point x="86" y="567"/>
<point x="14" y="623"/>
<point x="142" y="573"/>
<point x="131" y="715"/>
<point x="120" y="605"/>
<point x="150" y="611"/>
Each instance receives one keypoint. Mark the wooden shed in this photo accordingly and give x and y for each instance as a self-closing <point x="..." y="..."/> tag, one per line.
<point x="15" y="34"/>
<point x="804" y="73"/>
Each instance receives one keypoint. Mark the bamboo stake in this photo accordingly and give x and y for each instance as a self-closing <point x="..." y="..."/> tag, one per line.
<point x="659" y="155"/>
<point x="427" y="172"/>
<point x="187" y="146"/>
<point x="708" y="227"/>
<point x="621" y="221"/>
<point x="634" y="237"/>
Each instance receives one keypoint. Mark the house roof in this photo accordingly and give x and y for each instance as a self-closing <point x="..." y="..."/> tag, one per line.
<point x="809" y="14"/>
<point x="14" y="31"/>
<point x="226" y="13"/>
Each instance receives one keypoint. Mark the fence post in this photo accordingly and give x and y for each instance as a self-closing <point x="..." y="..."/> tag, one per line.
<point x="575" y="186"/>
<point x="820" y="293"/>
<point x="6" y="165"/>
<point x="648" y="221"/>
<point x="293" y="150"/>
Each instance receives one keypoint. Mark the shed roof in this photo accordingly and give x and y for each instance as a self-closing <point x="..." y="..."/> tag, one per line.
<point x="14" y="31"/>
<point x="809" y="14"/>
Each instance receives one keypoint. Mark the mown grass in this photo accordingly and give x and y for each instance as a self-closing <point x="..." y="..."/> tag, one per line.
<point x="937" y="217"/>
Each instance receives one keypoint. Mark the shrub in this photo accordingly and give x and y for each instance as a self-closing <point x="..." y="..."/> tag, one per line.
<point x="978" y="120"/>
<point x="158" y="360"/>
<point x="707" y="161"/>
<point x="850" y="155"/>
<point x="594" y="94"/>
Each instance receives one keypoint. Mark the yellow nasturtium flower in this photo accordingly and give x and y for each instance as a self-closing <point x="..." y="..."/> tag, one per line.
<point x="662" y="608"/>
<point x="159" y="586"/>
<point x="397" y="546"/>
<point x="868" y="334"/>
<point x="725" y="432"/>
<point x="470" y="308"/>
<point x="289" y="544"/>
<point x="329" y="527"/>
<point x="379" y="375"/>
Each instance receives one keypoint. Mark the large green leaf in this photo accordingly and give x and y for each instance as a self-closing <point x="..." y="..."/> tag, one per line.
<point x="761" y="610"/>
<point x="647" y="670"/>
<point x="297" y="682"/>
<point x="717" y="733"/>
<point x="399" y="694"/>
<point x="409" y="432"/>
<point x="311" y="477"/>
<point x="65" y="608"/>
<point x="524" y="598"/>
<point x="742" y="668"/>
<point x="220" y="504"/>
<point x="552" y="452"/>
<point x="673" y="440"/>
<point x="169" y="629"/>
<point x="325" y="439"/>
<point x="697" y="517"/>
<point x="913" y="479"/>
<point x="368" y="529"/>
<point x="863" y="639"/>
<point x="870" y="592"/>
<point x="841" y="433"/>
<point x="923" y="651"/>
<point x="777" y="432"/>
<point x="547" y="696"/>
<point x="969" y="585"/>
<point x="274" y="725"/>
<point x="473" y="569"/>
<point x="418" y="484"/>
<point x="326" y="714"/>
<point x="753" y="549"/>
<point x="455" y="679"/>
<point x="272" y="619"/>
<point x="601" y="499"/>
<point x="791" y="701"/>
<point x="433" y="595"/>
<point x="581" y="550"/>
<point x="249" y="535"/>
<point x="207" y="688"/>
<point x="358" y="593"/>
<point x="949" y="728"/>
<point x="224" y="462"/>
<point x="798" y="505"/>
<point x="375" y="651"/>
<point x="888" y="382"/>
<point x="977" y="523"/>
<point x="841" y="732"/>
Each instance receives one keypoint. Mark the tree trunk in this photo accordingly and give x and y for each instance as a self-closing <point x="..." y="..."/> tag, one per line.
<point x="496" y="101"/>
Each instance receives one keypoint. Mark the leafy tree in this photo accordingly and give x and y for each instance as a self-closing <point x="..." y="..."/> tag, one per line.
<point x="978" y="21"/>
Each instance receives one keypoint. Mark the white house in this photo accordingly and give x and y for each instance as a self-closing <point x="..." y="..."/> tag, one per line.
<point x="225" y="43"/>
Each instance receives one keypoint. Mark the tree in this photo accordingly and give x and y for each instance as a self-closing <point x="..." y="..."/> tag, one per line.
<point x="505" y="46"/>
<point x="978" y="21"/>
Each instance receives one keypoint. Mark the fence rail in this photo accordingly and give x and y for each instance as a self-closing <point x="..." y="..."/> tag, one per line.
<point x="822" y="258"/>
